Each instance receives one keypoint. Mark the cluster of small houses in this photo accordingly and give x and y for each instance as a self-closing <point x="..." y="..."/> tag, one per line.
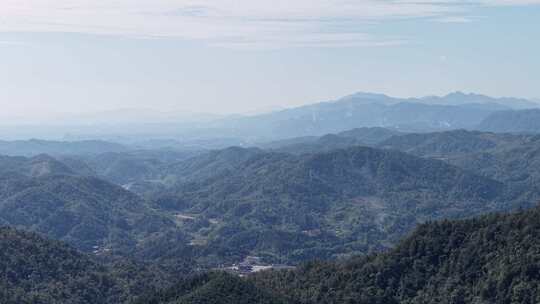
<point x="252" y="264"/>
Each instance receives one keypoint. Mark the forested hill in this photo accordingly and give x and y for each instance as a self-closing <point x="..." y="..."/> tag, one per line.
<point x="214" y="288"/>
<point x="522" y="121"/>
<point x="36" y="270"/>
<point x="513" y="159"/>
<point x="36" y="166"/>
<point x="290" y="208"/>
<point x="127" y="168"/>
<point x="329" y="142"/>
<point x="491" y="259"/>
<point x="454" y="143"/>
<point x="43" y="195"/>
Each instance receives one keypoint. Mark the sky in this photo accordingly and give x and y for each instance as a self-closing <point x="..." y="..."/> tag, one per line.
<point x="62" y="57"/>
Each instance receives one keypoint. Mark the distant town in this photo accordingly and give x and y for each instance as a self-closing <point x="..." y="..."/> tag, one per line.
<point x="252" y="264"/>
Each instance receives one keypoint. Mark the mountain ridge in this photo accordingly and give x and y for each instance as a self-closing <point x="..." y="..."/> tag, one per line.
<point x="521" y="121"/>
<point x="291" y="208"/>
<point x="90" y="214"/>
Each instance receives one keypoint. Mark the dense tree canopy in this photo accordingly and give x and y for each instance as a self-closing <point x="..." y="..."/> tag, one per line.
<point x="492" y="259"/>
<point x="40" y="271"/>
<point x="293" y="208"/>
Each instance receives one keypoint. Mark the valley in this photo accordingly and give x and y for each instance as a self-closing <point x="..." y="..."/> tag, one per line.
<point x="169" y="225"/>
<point x="278" y="152"/>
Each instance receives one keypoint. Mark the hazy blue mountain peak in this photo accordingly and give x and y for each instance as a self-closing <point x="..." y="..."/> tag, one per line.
<point x="462" y="98"/>
<point x="368" y="97"/>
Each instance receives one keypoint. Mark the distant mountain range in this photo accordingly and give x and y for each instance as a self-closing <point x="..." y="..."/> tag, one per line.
<point x="453" y="111"/>
<point x="35" y="147"/>
<point x="146" y="127"/>
<point x="522" y="121"/>
<point x="460" y="98"/>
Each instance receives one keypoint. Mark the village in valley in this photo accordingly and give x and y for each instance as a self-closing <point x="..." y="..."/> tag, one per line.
<point x="252" y="264"/>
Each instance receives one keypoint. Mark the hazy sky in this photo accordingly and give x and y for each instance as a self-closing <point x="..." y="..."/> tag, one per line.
<point x="224" y="56"/>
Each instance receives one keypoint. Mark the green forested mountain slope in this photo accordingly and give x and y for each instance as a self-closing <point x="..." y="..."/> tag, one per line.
<point x="491" y="259"/>
<point x="223" y="205"/>
<point x="294" y="208"/>
<point x="33" y="167"/>
<point x="322" y="144"/>
<point x="140" y="171"/>
<point x="370" y="136"/>
<point x="503" y="156"/>
<point x="211" y="165"/>
<point x="213" y="288"/>
<point x="453" y="143"/>
<point x="36" y="270"/>
<point x="126" y="167"/>
<point x="522" y="121"/>
<point x="42" y="195"/>
<point x="355" y="137"/>
<point x="509" y="158"/>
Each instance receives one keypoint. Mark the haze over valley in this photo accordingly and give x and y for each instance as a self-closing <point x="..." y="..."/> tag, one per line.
<point x="214" y="152"/>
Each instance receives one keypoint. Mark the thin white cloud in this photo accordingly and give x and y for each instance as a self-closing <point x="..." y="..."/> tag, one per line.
<point x="455" y="19"/>
<point x="12" y="43"/>
<point x="236" y="23"/>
